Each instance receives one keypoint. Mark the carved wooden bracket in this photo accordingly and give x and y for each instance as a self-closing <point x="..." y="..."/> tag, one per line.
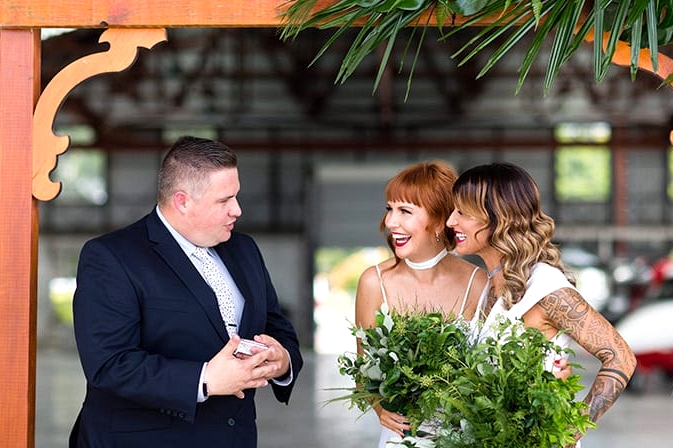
<point x="124" y="44"/>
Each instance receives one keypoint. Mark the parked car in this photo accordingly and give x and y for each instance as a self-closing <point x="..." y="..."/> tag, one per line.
<point x="647" y="327"/>
<point x="648" y="332"/>
<point x="631" y="285"/>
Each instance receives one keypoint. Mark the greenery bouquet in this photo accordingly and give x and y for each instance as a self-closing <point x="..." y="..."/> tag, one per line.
<point x="487" y="394"/>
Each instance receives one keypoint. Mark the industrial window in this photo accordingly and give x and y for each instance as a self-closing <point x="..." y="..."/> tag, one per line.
<point x="583" y="166"/>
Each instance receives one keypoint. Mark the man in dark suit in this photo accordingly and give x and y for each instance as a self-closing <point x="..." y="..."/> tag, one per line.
<point x="160" y="364"/>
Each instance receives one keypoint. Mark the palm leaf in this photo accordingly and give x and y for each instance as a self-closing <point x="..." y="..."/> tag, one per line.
<point x="635" y="47"/>
<point x="490" y="33"/>
<point x="416" y="55"/>
<point x="599" y="16"/>
<point x="560" y="49"/>
<point x="538" y="40"/>
<point x="652" y="38"/>
<point x="639" y="23"/>
<point x="617" y="25"/>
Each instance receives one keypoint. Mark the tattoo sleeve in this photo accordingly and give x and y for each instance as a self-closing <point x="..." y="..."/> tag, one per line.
<point x="565" y="309"/>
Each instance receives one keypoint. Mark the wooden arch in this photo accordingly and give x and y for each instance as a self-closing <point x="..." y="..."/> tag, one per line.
<point x="29" y="149"/>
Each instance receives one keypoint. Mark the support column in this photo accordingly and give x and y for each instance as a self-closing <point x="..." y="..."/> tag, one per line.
<point x="620" y="185"/>
<point x="19" y="87"/>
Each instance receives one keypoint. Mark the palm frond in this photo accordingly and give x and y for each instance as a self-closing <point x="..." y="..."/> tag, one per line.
<point x="652" y="32"/>
<point x="566" y="23"/>
<point x="561" y="47"/>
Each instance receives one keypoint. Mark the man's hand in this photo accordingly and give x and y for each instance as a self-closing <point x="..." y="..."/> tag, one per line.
<point x="277" y="355"/>
<point x="228" y="375"/>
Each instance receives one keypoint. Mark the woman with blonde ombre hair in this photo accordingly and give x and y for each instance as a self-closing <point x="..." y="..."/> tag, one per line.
<point x="499" y="218"/>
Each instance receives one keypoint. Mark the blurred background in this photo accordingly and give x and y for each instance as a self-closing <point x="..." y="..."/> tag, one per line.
<point x="314" y="157"/>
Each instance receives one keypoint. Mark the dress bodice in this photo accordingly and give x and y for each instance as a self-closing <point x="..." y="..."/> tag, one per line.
<point x="475" y="319"/>
<point x="544" y="280"/>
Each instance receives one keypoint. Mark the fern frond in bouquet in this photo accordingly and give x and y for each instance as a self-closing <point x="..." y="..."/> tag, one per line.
<point x="473" y="393"/>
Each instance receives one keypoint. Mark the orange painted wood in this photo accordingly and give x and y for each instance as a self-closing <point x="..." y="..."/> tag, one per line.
<point x="19" y="83"/>
<point x="159" y="13"/>
<point x="664" y="66"/>
<point x="122" y="52"/>
<point x="622" y="57"/>
<point x="145" y="13"/>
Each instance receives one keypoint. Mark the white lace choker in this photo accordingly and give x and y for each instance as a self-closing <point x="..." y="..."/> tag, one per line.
<point x="427" y="264"/>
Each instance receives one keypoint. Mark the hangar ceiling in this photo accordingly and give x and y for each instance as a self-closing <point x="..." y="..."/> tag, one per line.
<point x="255" y="91"/>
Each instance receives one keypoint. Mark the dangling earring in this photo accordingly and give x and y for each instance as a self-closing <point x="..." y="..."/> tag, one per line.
<point x="437" y="236"/>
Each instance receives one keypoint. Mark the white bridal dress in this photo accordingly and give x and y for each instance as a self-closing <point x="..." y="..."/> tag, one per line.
<point x="544" y="280"/>
<point x="387" y="434"/>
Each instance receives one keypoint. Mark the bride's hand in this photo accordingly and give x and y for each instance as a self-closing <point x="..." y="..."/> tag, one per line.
<point x="562" y="369"/>
<point x="393" y="421"/>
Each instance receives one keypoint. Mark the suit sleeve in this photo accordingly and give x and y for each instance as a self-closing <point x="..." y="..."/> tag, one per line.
<point x="107" y="322"/>
<point x="280" y="328"/>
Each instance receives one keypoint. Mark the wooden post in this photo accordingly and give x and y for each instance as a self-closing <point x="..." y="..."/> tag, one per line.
<point x="19" y="86"/>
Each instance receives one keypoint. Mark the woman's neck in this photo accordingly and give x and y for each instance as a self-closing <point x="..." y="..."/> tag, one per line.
<point x="495" y="277"/>
<point x="492" y="261"/>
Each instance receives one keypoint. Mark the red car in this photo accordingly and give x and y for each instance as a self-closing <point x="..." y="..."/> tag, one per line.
<point x="649" y="332"/>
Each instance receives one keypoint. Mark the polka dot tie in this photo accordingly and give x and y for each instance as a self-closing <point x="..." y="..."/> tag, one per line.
<point x="225" y="299"/>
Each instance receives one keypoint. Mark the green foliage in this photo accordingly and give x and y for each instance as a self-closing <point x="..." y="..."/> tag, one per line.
<point x="404" y="357"/>
<point x="640" y="23"/>
<point x="506" y="398"/>
<point x="380" y="21"/>
<point x="489" y="394"/>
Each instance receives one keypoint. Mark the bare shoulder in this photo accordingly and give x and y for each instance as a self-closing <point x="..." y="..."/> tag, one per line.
<point x="369" y="284"/>
<point x="369" y="296"/>
<point x="464" y="268"/>
<point x="463" y="263"/>
<point x="368" y="278"/>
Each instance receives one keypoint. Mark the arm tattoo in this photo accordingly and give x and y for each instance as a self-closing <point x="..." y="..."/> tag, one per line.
<point x="566" y="309"/>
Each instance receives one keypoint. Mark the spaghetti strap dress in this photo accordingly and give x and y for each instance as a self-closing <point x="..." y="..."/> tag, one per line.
<point x="386" y="433"/>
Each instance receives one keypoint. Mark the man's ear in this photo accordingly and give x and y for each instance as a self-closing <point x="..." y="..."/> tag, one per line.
<point x="180" y="201"/>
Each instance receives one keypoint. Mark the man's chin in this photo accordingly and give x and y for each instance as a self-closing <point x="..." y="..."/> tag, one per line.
<point x="225" y="236"/>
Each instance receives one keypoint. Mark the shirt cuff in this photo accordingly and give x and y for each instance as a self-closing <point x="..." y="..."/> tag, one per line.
<point x="200" y="398"/>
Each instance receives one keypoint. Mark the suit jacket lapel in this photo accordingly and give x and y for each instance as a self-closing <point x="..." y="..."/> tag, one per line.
<point x="175" y="257"/>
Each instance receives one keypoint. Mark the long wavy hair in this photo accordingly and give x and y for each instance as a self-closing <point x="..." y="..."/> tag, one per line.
<point x="507" y="200"/>
<point x="428" y="185"/>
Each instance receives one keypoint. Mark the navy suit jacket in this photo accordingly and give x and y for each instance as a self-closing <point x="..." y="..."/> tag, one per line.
<point x="146" y="321"/>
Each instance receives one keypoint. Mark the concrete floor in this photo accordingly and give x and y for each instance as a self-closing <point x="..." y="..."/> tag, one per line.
<point x="635" y="421"/>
